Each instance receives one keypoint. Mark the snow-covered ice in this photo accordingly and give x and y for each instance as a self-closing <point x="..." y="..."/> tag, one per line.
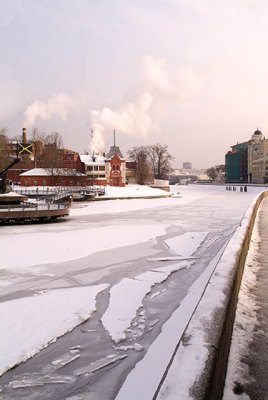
<point x="67" y="359"/>
<point x="171" y="258"/>
<point x="77" y="243"/>
<point x="120" y="313"/>
<point x="185" y="245"/>
<point x="40" y="381"/>
<point x="29" y="324"/>
<point x="168" y="269"/>
<point x="141" y="385"/>
<point x="99" y="364"/>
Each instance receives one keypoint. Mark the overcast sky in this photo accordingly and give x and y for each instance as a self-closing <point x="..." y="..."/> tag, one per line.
<point x="192" y="74"/>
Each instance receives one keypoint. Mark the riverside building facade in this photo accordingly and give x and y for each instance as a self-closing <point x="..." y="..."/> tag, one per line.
<point x="247" y="162"/>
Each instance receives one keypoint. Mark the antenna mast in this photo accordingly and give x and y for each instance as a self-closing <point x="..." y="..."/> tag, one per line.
<point x="91" y="140"/>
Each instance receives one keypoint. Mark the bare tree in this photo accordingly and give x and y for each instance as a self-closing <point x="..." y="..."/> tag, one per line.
<point x="160" y="159"/>
<point x="16" y="138"/>
<point x="212" y="173"/>
<point x="54" y="138"/>
<point x="7" y="159"/>
<point x="37" y="135"/>
<point x="215" y="173"/>
<point x="37" y="139"/>
<point x="139" y="155"/>
<point x="4" y="153"/>
<point x="4" y="132"/>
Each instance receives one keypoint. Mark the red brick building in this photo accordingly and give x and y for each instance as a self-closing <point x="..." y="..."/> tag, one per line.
<point x="57" y="177"/>
<point x="116" y="168"/>
<point x="40" y="155"/>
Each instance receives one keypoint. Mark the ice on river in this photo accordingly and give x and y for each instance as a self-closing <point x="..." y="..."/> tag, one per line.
<point x="185" y="245"/>
<point x="126" y="298"/>
<point x="77" y="243"/>
<point x="31" y="323"/>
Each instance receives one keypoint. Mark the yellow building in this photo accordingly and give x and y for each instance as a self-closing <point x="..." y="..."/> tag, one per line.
<point x="258" y="158"/>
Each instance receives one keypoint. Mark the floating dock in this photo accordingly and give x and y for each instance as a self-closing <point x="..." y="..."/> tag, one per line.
<point x="15" y="208"/>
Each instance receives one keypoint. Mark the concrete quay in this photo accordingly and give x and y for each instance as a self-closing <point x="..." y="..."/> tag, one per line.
<point x="248" y="359"/>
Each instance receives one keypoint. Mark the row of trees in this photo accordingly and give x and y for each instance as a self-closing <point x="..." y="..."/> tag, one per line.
<point x="151" y="161"/>
<point x="35" y="136"/>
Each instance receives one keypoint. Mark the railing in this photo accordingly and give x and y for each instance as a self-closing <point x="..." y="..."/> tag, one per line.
<point x="36" y="207"/>
<point x="61" y="191"/>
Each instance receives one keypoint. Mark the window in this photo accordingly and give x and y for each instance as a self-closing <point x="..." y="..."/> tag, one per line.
<point x="118" y="167"/>
<point x="102" y="168"/>
<point x="101" y="176"/>
<point x="113" y="167"/>
<point x="89" y="168"/>
<point x="96" y="168"/>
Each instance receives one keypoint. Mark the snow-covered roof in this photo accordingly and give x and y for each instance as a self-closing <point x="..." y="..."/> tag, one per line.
<point x="48" y="172"/>
<point x="89" y="159"/>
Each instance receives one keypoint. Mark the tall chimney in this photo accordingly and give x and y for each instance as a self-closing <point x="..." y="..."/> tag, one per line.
<point x="24" y="139"/>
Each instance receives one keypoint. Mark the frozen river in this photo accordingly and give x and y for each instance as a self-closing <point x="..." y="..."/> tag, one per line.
<point x="115" y="276"/>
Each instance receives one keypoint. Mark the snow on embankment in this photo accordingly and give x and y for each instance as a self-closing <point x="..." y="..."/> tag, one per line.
<point x="246" y="321"/>
<point x="193" y="364"/>
<point x="30" y="324"/>
<point x="134" y="191"/>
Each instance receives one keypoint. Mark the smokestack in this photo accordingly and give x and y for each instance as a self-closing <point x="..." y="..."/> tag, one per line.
<point x="24" y="139"/>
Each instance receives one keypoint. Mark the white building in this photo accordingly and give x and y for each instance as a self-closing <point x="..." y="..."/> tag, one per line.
<point x="105" y="170"/>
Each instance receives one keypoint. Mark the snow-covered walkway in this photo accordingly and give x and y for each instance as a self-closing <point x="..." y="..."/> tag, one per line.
<point x="248" y="359"/>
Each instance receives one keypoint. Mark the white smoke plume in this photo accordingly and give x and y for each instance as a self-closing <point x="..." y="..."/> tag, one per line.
<point x="156" y="75"/>
<point x="57" y="105"/>
<point x="176" y="84"/>
<point x="161" y="82"/>
<point x="132" y="118"/>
